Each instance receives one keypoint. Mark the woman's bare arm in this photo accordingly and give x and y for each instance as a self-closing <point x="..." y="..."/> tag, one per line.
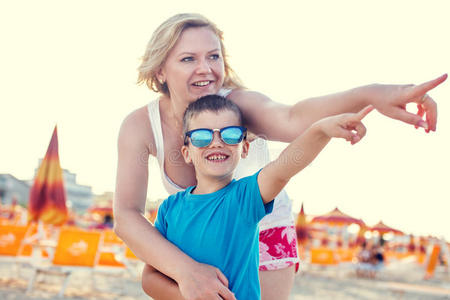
<point x="195" y="280"/>
<point x="159" y="286"/>
<point x="278" y="122"/>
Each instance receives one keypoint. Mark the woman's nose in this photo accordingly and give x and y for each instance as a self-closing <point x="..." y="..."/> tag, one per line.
<point x="203" y="66"/>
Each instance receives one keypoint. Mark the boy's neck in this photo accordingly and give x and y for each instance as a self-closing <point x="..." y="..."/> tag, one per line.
<point x="211" y="185"/>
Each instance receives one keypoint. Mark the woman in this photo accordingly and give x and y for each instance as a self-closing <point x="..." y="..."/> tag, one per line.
<point x="185" y="59"/>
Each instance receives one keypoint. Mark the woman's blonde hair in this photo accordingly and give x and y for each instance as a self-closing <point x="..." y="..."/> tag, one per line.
<point x="164" y="39"/>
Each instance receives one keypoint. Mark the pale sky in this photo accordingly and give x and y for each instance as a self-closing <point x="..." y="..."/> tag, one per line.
<point x="74" y="63"/>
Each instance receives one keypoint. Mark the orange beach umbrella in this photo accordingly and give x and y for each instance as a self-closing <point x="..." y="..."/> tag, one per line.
<point x="336" y="217"/>
<point x="382" y="228"/>
<point x="47" y="196"/>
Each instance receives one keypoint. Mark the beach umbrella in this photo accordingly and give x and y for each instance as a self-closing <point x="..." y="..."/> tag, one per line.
<point x="47" y="201"/>
<point x="336" y="217"/>
<point x="301" y="227"/>
<point x="382" y="228"/>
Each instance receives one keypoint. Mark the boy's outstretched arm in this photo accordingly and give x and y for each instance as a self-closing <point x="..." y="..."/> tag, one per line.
<point x="304" y="149"/>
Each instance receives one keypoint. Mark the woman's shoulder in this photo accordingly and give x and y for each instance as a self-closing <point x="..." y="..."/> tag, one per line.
<point x="242" y="94"/>
<point x="136" y="129"/>
<point x="250" y="102"/>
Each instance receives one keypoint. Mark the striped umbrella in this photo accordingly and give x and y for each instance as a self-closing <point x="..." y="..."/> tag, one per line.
<point x="47" y="196"/>
<point x="383" y="228"/>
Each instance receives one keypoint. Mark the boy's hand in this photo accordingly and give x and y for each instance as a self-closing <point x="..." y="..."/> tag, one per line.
<point x="347" y="126"/>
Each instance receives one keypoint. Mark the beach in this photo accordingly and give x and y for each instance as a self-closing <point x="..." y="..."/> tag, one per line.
<point x="401" y="280"/>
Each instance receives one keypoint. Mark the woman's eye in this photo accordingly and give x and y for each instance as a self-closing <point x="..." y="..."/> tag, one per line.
<point x="187" y="58"/>
<point x="215" y="56"/>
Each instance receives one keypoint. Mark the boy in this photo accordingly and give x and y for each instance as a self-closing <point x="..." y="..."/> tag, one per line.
<point x="216" y="221"/>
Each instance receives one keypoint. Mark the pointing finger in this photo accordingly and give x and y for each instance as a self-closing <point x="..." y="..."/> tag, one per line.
<point x="362" y="113"/>
<point x="423" y="88"/>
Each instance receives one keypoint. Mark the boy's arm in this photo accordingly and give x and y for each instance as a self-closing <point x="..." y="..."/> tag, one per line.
<point x="304" y="149"/>
<point x="159" y="286"/>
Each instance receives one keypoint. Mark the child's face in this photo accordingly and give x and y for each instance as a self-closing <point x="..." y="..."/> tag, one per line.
<point x="217" y="160"/>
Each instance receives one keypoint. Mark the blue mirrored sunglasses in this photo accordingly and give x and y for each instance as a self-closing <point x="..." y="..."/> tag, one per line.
<point x="202" y="137"/>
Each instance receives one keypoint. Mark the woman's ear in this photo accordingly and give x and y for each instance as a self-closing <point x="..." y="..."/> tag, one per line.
<point x="245" y="147"/>
<point x="160" y="76"/>
<point x="185" y="153"/>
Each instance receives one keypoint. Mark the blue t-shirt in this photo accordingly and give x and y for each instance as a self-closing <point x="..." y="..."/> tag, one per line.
<point x="219" y="229"/>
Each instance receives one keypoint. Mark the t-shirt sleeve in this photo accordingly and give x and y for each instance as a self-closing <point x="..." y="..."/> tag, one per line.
<point x="249" y="198"/>
<point x="160" y="222"/>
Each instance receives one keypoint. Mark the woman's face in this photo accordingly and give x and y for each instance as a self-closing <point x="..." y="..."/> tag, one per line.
<point x="194" y="66"/>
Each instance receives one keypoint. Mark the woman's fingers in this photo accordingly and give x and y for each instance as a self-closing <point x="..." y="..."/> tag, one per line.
<point x="224" y="292"/>
<point x="407" y="117"/>
<point x="430" y="108"/>
<point x="423" y="88"/>
<point x="222" y="277"/>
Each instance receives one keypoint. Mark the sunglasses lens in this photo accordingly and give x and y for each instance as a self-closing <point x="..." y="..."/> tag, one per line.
<point x="232" y="135"/>
<point x="201" y="138"/>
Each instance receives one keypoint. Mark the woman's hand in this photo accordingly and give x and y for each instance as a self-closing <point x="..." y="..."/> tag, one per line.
<point x="205" y="282"/>
<point x="348" y="126"/>
<point x="391" y="100"/>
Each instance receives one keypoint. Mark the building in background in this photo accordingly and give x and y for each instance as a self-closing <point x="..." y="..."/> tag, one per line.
<point x="79" y="197"/>
<point x="12" y="188"/>
<point x="103" y="200"/>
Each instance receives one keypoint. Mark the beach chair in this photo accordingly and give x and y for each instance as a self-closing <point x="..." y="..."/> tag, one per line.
<point x="115" y="256"/>
<point x="110" y="247"/>
<point x="13" y="245"/>
<point x="323" y="256"/>
<point x="76" y="249"/>
<point x="11" y="238"/>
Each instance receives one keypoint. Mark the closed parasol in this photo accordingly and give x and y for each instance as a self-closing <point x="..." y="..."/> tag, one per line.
<point x="301" y="227"/>
<point x="47" y="201"/>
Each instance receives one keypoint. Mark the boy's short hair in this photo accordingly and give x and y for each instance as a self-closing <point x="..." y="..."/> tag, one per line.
<point x="212" y="103"/>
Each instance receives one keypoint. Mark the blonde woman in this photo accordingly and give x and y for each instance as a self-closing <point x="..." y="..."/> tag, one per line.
<point x="184" y="60"/>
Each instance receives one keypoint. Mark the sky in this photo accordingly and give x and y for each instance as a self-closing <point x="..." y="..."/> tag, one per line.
<point x="73" y="63"/>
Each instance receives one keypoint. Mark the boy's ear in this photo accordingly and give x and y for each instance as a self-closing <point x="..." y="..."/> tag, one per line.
<point x="185" y="153"/>
<point x="245" y="147"/>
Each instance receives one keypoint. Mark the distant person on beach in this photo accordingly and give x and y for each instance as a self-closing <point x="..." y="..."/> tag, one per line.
<point x="216" y="221"/>
<point x="107" y="223"/>
<point x="184" y="60"/>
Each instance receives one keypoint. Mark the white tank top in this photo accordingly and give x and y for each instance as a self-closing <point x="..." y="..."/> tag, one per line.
<point x="257" y="158"/>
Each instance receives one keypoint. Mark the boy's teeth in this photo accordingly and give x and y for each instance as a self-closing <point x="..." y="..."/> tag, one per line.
<point x="201" y="83"/>
<point x="216" y="157"/>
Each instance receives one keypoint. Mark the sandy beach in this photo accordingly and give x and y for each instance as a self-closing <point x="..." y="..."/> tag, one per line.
<point x="395" y="281"/>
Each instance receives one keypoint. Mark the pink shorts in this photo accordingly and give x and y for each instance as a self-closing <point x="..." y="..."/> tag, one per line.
<point x="278" y="248"/>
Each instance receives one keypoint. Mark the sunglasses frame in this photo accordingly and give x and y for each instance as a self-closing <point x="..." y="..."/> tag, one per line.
<point x="189" y="133"/>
